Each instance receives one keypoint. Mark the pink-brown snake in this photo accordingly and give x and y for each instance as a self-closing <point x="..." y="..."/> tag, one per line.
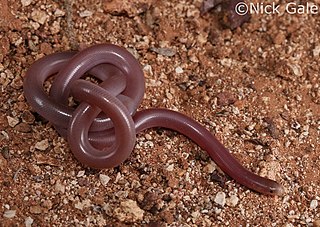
<point x="102" y="129"/>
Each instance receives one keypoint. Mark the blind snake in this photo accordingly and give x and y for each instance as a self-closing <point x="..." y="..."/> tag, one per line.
<point x="102" y="129"/>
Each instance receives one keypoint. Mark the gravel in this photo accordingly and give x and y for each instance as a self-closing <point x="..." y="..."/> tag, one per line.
<point x="255" y="87"/>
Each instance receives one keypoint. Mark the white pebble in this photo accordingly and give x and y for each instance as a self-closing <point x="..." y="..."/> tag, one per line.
<point x="251" y="127"/>
<point x="220" y="198"/>
<point x="170" y="168"/>
<point x="81" y="173"/>
<point x="296" y="69"/>
<point x="59" y="13"/>
<point x="314" y="204"/>
<point x="195" y="214"/>
<point x="12" y="121"/>
<point x="42" y="145"/>
<point x="148" y="69"/>
<point x="179" y="70"/>
<point x="83" y="204"/>
<point x="232" y="201"/>
<point x="194" y="59"/>
<point x="28" y="222"/>
<point x="104" y="179"/>
<point x="35" y="25"/>
<point x="26" y="2"/>
<point x="217" y="210"/>
<point x="5" y="135"/>
<point x="235" y="110"/>
<point x="169" y="95"/>
<point x="9" y="213"/>
<point x="85" y="13"/>
<point x="227" y="62"/>
<point x="39" y="16"/>
<point x="148" y="137"/>
<point x="316" y="51"/>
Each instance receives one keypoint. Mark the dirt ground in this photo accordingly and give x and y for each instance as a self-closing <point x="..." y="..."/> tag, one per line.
<point x="255" y="87"/>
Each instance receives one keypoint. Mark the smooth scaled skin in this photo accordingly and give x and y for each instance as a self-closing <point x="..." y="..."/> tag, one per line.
<point x="102" y="129"/>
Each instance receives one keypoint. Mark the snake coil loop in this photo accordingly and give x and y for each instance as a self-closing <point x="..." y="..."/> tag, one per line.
<point x="118" y="96"/>
<point x="102" y="129"/>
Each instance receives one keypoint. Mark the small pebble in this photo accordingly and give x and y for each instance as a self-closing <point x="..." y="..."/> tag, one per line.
<point x="28" y="222"/>
<point x="235" y="110"/>
<point x="12" y="121"/>
<point x="279" y="38"/>
<point x="232" y="201"/>
<point x="81" y="173"/>
<point x="168" y="52"/>
<point x="59" y="13"/>
<point x="59" y="187"/>
<point x="220" y="198"/>
<point x="195" y="214"/>
<point x="5" y="135"/>
<point x="133" y="211"/>
<point x="148" y="137"/>
<point x="104" y="179"/>
<point x="35" y="209"/>
<point x="251" y="127"/>
<point x="194" y="59"/>
<point x="314" y="204"/>
<point x="5" y="152"/>
<point x="39" y="16"/>
<point x="179" y="70"/>
<point x="167" y="216"/>
<point x="210" y="168"/>
<point x="226" y="98"/>
<point x="316" y="51"/>
<point x="9" y="214"/>
<point x="296" y="69"/>
<point x="170" y="168"/>
<point x="26" y="2"/>
<point x="80" y="205"/>
<point x="169" y="95"/>
<point x="85" y="13"/>
<point x="269" y="169"/>
<point x="23" y="127"/>
<point x="55" y="28"/>
<point x="148" y="69"/>
<point x="3" y="163"/>
<point x="217" y="210"/>
<point x="42" y="145"/>
<point x="227" y="62"/>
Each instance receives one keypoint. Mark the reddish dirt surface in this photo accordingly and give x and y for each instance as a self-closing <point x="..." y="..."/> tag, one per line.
<point x="256" y="88"/>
